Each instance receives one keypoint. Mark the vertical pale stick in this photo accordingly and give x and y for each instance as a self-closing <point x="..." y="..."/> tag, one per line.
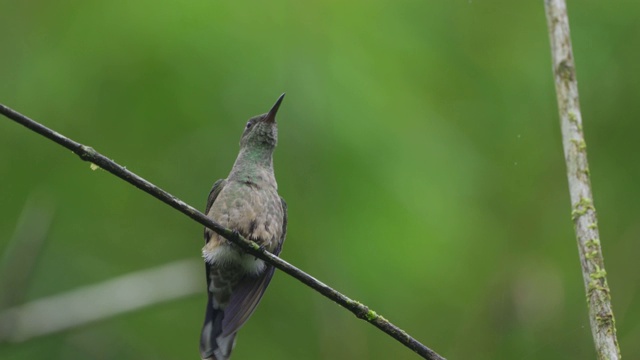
<point x="583" y="211"/>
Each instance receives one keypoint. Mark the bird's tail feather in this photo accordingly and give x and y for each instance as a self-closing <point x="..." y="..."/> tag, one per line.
<point x="213" y="344"/>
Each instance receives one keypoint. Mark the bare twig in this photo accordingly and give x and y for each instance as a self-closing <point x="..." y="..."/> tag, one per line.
<point x="583" y="211"/>
<point x="101" y="301"/>
<point x="360" y="310"/>
<point x="20" y="257"/>
<point x="22" y="252"/>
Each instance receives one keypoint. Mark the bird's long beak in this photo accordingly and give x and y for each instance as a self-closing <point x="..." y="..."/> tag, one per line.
<point x="271" y="115"/>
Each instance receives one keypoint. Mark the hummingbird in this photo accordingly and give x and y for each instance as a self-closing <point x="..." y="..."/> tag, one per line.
<point x="247" y="202"/>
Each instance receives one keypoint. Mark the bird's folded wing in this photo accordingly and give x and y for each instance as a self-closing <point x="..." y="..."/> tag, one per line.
<point x="244" y="300"/>
<point x="213" y="195"/>
<point x="248" y="293"/>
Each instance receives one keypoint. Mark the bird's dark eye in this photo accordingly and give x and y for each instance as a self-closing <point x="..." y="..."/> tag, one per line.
<point x="249" y="124"/>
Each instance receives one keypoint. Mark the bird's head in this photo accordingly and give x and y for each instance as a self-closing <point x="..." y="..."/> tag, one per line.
<point x="261" y="132"/>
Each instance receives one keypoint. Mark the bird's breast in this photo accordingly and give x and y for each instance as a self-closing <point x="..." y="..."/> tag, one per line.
<point x="255" y="212"/>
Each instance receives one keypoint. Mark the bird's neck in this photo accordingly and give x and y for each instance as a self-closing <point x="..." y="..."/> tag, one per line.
<point x="255" y="166"/>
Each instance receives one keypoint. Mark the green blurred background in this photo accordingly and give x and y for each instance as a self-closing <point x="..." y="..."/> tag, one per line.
<point x="419" y="153"/>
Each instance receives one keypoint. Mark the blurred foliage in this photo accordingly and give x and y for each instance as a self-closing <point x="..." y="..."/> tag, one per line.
<point x="419" y="153"/>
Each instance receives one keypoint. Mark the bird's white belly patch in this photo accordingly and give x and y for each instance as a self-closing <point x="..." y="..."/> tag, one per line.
<point x="225" y="254"/>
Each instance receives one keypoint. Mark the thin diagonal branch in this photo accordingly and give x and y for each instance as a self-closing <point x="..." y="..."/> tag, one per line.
<point x="22" y="252"/>
<point x="95" y="302"/>
<point x="583" y="211"/>
<point x="361" y="311"/>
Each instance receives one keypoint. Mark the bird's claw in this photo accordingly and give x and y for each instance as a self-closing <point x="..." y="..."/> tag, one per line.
<point x="234" y="234"/>
<point x="261" y="249"/>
